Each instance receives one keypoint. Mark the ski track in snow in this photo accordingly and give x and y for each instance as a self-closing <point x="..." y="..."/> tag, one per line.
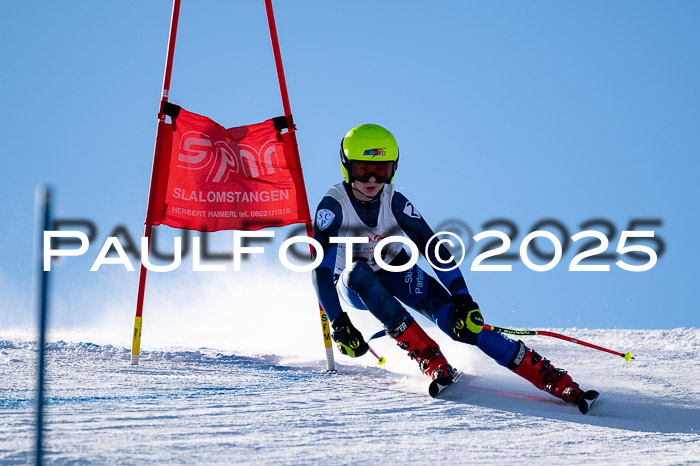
<point x="207" y="406"/>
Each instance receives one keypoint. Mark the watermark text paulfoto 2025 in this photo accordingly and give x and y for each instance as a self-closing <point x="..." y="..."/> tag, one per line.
<point x="636" y="249"/>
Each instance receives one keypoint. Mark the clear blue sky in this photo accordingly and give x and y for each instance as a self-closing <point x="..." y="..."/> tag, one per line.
<point x="516" y="110"/>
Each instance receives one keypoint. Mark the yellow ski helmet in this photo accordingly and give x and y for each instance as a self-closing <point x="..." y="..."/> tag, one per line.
<point x="369" y="150"/>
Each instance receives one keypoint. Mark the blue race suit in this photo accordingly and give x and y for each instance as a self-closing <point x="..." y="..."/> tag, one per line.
<point x="381" y="291"/>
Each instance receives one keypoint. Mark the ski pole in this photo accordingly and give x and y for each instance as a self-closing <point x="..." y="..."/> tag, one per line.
<point x="381" y="359"/>
<point x="627" y="356"/>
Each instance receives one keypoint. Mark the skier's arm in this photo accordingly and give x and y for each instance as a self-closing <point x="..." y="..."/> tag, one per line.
<point x="418" y="231"/>
<point x="348" y="339"/>
<point x="329" y="217"/>
<point x="467" y="320"/>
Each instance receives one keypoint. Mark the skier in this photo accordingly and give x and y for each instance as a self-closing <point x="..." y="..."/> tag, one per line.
<point x="367" y="205"/>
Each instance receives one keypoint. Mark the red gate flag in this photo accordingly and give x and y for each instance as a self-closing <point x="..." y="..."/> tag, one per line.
<point x="210" y="178"/>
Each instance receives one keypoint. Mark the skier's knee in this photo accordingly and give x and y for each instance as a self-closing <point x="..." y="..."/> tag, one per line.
<point x="360" y="274"/>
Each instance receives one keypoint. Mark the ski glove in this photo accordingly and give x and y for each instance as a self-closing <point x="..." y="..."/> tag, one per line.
<point x="349" y="340"/>
<point x="468" y="319"/>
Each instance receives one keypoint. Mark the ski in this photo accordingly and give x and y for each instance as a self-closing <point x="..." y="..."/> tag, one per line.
<point x="586" y="400"/>
<point x="440" y="384"/>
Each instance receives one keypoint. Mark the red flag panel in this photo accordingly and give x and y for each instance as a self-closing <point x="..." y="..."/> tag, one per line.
<point x="242" y="178"/>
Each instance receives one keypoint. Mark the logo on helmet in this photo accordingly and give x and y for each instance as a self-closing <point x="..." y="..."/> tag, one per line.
<point x="375" y="152"/>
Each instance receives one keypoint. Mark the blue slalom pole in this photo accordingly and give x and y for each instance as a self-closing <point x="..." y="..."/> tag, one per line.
<point x="43" y="207"/>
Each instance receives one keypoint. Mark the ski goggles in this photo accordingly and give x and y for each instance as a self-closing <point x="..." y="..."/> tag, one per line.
<point x="362" y="171"/>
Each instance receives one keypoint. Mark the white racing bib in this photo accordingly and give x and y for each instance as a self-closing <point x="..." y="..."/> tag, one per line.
<point x="353" y="226"/>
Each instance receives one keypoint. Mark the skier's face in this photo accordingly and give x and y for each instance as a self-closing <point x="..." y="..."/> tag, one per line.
<point x="369" y="189"/>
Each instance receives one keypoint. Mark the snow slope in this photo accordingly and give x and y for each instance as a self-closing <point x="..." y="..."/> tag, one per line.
<point x="201" y="405"/>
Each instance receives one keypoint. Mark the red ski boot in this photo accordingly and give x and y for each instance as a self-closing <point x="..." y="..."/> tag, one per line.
<point x="537" y="370"/>
<point x="410" y="337"/>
